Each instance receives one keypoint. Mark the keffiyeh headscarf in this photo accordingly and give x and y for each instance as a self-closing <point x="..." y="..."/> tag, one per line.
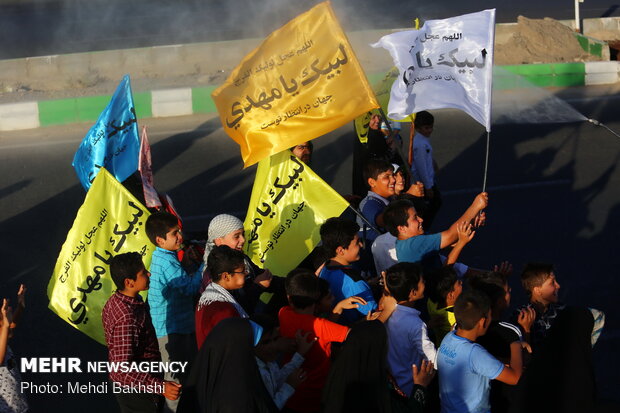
<point x="219" y="227"/>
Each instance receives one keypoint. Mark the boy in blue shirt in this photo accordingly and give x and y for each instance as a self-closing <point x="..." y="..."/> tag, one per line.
<point x="172" y="295"/>
<point x="402" y="221"/>
<point x="408" y="342"/>
<point x="466" y="368"/>
<point x="341" y="242"/>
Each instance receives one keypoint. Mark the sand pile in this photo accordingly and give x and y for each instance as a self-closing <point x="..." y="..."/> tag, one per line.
<point x="541" y="41"/>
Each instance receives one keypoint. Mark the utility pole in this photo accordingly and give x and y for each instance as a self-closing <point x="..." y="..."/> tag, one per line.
<point x="577" y="19"/>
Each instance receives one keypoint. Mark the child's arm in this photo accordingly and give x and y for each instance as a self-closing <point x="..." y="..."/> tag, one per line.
<point x="512" y="373"/>
<point x="346" y="304"/>
<point x="387" y="304"/>
<point x="4" y="330"/>
<point x="525" y="319"/>
<point x="181" y="281"/>
<point x="427" y="346"/>
<point x="21" y="305"/>
<point x="303" y="346"/>
<point x="449" y="236"/>
<point x="465" y="235"/>
<point x="424" y="375"/>
<point x="416" y="189"/>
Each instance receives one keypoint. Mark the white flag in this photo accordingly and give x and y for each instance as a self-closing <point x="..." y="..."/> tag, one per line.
<point x="446" y="64"/>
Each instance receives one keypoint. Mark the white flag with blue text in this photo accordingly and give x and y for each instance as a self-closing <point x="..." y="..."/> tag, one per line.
<point x="446" y="64"/>
<point x="112" y="142"/>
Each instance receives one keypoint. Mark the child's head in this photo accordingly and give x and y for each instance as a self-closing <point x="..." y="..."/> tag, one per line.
<point x="472" y="310"/>
<point x="444" y="287"/>
<point x="379" y="176"/>
<point x="227" y="267"/>
<point x="405" y="282"/>
<point x="340" y="240"/>
<point x="400" y="180"/>
<point x="128" y="272"/>
<point x="227" y="230"/>
<point x="302" y="288"/>
<point x="424" y="123"/>
<point x="401" y="219"/>
<point x="538" y="280"/>
<point x="495" y="286"/>
<point x="162" y="228"/>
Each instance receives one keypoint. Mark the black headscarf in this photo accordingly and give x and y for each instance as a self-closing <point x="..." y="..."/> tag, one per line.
<point x="560" y="377"/>
<point x="357" y="381"/>
<point x="224" y="376"/>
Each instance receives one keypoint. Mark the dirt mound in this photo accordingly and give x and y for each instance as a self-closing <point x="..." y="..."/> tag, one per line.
<point x="541" y="41"/>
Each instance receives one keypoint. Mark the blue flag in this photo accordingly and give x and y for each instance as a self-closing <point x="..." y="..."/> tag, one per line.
<point x="112" y="142"/>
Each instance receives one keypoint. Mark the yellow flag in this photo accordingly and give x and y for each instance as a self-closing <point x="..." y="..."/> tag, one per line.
<point x="300" y="83"/>
<point x="288" y="205"/>
<point x="109" y="222"/>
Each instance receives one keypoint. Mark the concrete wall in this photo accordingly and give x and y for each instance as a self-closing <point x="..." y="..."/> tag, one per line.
<point x="209" y="59"/>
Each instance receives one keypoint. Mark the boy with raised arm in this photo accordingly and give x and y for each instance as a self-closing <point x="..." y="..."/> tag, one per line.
<point x="402" y="221"/>
<point x="466" y="368"/>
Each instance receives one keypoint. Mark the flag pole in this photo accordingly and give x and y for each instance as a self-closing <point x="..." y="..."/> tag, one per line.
<point x="363" y="218"/>
<point x="486" y="163"/>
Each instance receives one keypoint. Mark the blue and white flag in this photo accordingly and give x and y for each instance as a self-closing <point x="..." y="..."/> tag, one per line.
<point x="113" y="142"/>
<point x="446" y="64"/>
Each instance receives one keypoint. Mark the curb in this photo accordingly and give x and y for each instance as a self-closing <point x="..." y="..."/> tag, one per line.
<point x="197" y="100"/>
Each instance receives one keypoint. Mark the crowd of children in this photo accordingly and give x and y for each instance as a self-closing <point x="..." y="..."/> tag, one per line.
<point x="387" y="320"/>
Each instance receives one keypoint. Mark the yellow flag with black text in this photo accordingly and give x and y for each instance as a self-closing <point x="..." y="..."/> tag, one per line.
<point x="302" y="82"/>
<point x="289" y="203"/>
<point x="109" y="222"/>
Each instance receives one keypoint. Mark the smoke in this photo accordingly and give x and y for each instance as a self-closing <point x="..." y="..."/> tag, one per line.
<point x="48" y="27"/>
<point x="528" y="103"/>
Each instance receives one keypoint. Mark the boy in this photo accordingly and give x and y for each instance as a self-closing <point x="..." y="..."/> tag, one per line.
<point x="341" y="242"/>
<point x="443" y="290"/>
<point x="228" y="273"/>
<point x="302" y="289"/>
<point x="172" y="294"/>
<point x="131" y="338"/>
<point x="408" y="341"/>
<point x="500" y="335"/>
<point x="413" y="245"/>
<point x="423" y="166"/>
<point x="538" y="280"/>
<point x="384" y="247"/>
<point x="466" y="368"/>
<point x="379" y="178"/>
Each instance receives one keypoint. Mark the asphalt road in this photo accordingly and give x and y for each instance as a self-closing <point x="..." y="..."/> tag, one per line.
<point x="553" y="197"/>
<point x="48" y="27"/>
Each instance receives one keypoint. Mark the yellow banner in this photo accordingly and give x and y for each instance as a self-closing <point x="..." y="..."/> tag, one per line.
<point x="382" y="91"/>
<point x="109" y="222"/>
<point x="288" y="205"/>
<point x="303" y="81"/>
